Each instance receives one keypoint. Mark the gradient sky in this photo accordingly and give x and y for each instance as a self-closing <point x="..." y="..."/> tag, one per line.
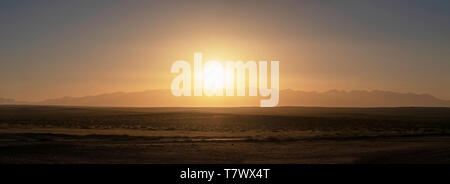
<point x="55" y="48"/>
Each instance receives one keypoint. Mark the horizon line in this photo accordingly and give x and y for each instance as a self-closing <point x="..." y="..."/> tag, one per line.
<point x="298" y="90"/>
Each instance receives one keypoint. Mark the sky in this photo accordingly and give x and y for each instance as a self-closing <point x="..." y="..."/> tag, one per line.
<point x="51" y="49"/>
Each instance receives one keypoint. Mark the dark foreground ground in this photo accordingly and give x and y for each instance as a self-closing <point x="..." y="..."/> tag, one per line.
<point x="50" y="134"/>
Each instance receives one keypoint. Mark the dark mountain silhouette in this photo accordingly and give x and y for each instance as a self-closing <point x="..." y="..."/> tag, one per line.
<point x="7" y="101"/>
<point x="360" y="98"/>
<point x="332" y="98"/>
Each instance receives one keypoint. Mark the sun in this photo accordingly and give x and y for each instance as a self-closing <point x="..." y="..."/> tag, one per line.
<point x="213" y="76"/>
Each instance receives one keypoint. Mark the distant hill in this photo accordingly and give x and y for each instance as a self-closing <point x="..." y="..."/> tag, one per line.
<point x="7" y="101"/>
<point x="333" y="98"/>
<point x="11" y="101"/>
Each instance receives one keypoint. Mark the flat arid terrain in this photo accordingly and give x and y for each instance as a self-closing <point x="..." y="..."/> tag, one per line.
<point x="57" y="134"/>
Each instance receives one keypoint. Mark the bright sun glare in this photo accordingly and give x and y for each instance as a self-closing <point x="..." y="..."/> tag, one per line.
<point x="213" y="76"/>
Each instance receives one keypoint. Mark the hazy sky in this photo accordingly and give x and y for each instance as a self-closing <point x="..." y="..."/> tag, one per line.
<point x="74" y="48"/>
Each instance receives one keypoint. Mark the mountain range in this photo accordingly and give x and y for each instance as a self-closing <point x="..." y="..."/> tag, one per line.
<point x="288" y="97"/>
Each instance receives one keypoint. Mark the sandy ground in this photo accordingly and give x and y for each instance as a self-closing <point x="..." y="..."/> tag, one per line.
<point x="52" y="134"/>
<point x="115" y="146"/>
